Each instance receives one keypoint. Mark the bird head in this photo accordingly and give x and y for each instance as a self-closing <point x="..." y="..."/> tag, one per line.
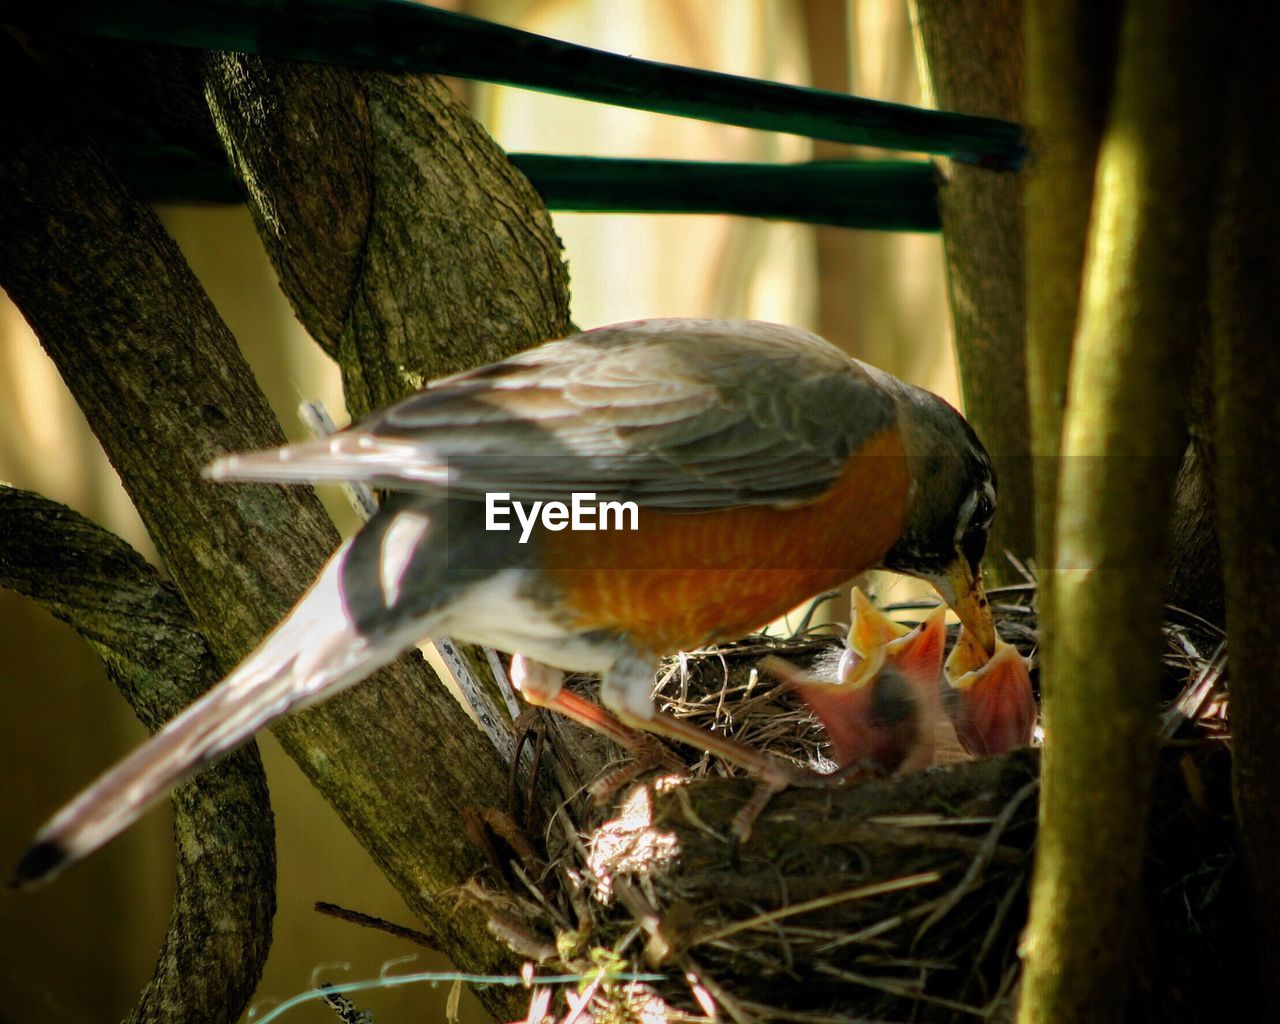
<point x="990" y="698"/>
<point x="881" y="704"/>
<point x="950" y="507"/>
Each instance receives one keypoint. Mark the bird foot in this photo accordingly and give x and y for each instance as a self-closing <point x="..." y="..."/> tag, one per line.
<point x="786" y="776"/>
<point x="648" y="754"/>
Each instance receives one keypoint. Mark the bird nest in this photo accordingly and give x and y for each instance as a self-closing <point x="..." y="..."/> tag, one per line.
<point x="884" y="898"/>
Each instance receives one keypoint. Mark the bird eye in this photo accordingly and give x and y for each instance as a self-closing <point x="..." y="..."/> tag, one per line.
<point x="984" y="511"/>
<point x="973" y="546"/>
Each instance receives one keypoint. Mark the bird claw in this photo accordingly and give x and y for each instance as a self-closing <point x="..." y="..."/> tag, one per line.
<point x="744" y="821"/>
<point x="648" y="753"/>
<point x="779" y="778"/>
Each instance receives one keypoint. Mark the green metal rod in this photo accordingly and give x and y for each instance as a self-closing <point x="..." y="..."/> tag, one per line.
<point x="877" y="195"/>
<point x="885" y="195"/>
<point x="400" y="35"/>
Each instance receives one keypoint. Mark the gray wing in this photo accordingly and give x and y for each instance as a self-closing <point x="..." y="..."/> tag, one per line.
<point x="679" y="414"/>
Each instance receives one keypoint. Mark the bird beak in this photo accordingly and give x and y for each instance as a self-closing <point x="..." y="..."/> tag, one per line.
<point x="871" y="629"/>
<point x="962" y="590"/>
<point x="918" y="655"/>
<point x="875" y="639"/>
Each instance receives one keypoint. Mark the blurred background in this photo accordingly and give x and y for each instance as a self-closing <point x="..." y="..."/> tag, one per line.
<point x="80" y="950"/>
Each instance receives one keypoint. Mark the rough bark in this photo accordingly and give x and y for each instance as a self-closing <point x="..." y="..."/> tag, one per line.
<point x="1122" y="438"/>
<point x="408" y="244"/>
<point x="220" y="929"/>
<point x="161" y="382"/>
<point x="1245" y="273"/>
<point x="1195" y="556"/>
<point x="974" y="60"/>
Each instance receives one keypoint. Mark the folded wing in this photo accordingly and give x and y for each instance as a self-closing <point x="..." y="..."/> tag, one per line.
<point x="670" y="414"/>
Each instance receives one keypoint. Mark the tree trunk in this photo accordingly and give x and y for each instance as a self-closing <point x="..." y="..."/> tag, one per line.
<point x="1245" y="275"/>
<point x="1070" y="50"/>
<point x="1122" y="438"/>
<point x="974" y="58"/>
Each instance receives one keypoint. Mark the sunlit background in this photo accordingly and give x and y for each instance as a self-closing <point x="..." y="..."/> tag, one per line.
<point x="80" y="949"/>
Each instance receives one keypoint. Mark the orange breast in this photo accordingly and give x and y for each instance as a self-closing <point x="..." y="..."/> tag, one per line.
<point x="684" y="579"/>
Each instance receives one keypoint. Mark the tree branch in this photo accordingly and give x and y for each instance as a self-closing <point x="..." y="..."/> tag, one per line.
<point x="409" y="245"/>
<point x="220" y="929"/>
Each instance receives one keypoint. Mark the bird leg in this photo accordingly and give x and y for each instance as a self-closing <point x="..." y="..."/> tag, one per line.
<point x="766" y="767"/>
<point x="542" y="685"/>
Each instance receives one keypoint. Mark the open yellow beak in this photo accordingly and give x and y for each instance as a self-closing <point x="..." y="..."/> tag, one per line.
<point x="962" y="590"/>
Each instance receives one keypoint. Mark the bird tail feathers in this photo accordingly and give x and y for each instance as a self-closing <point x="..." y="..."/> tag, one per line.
<point x="314" y="653"/>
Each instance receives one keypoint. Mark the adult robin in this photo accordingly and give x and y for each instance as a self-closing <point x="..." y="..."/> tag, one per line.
<point x="764" y="465"/>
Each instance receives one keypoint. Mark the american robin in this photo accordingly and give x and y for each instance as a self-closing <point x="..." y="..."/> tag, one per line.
<point x="891" y="703"/>
<point x="763" y="465"/>
<point x="880" y="704"/>
<point x="990" y="696"/>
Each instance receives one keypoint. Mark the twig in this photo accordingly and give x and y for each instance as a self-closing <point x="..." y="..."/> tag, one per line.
<point x="1192" y="699"/>
<point x="980" y="860"/>
<point x="369" y="921"/>
<point x="821" y="903"/>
